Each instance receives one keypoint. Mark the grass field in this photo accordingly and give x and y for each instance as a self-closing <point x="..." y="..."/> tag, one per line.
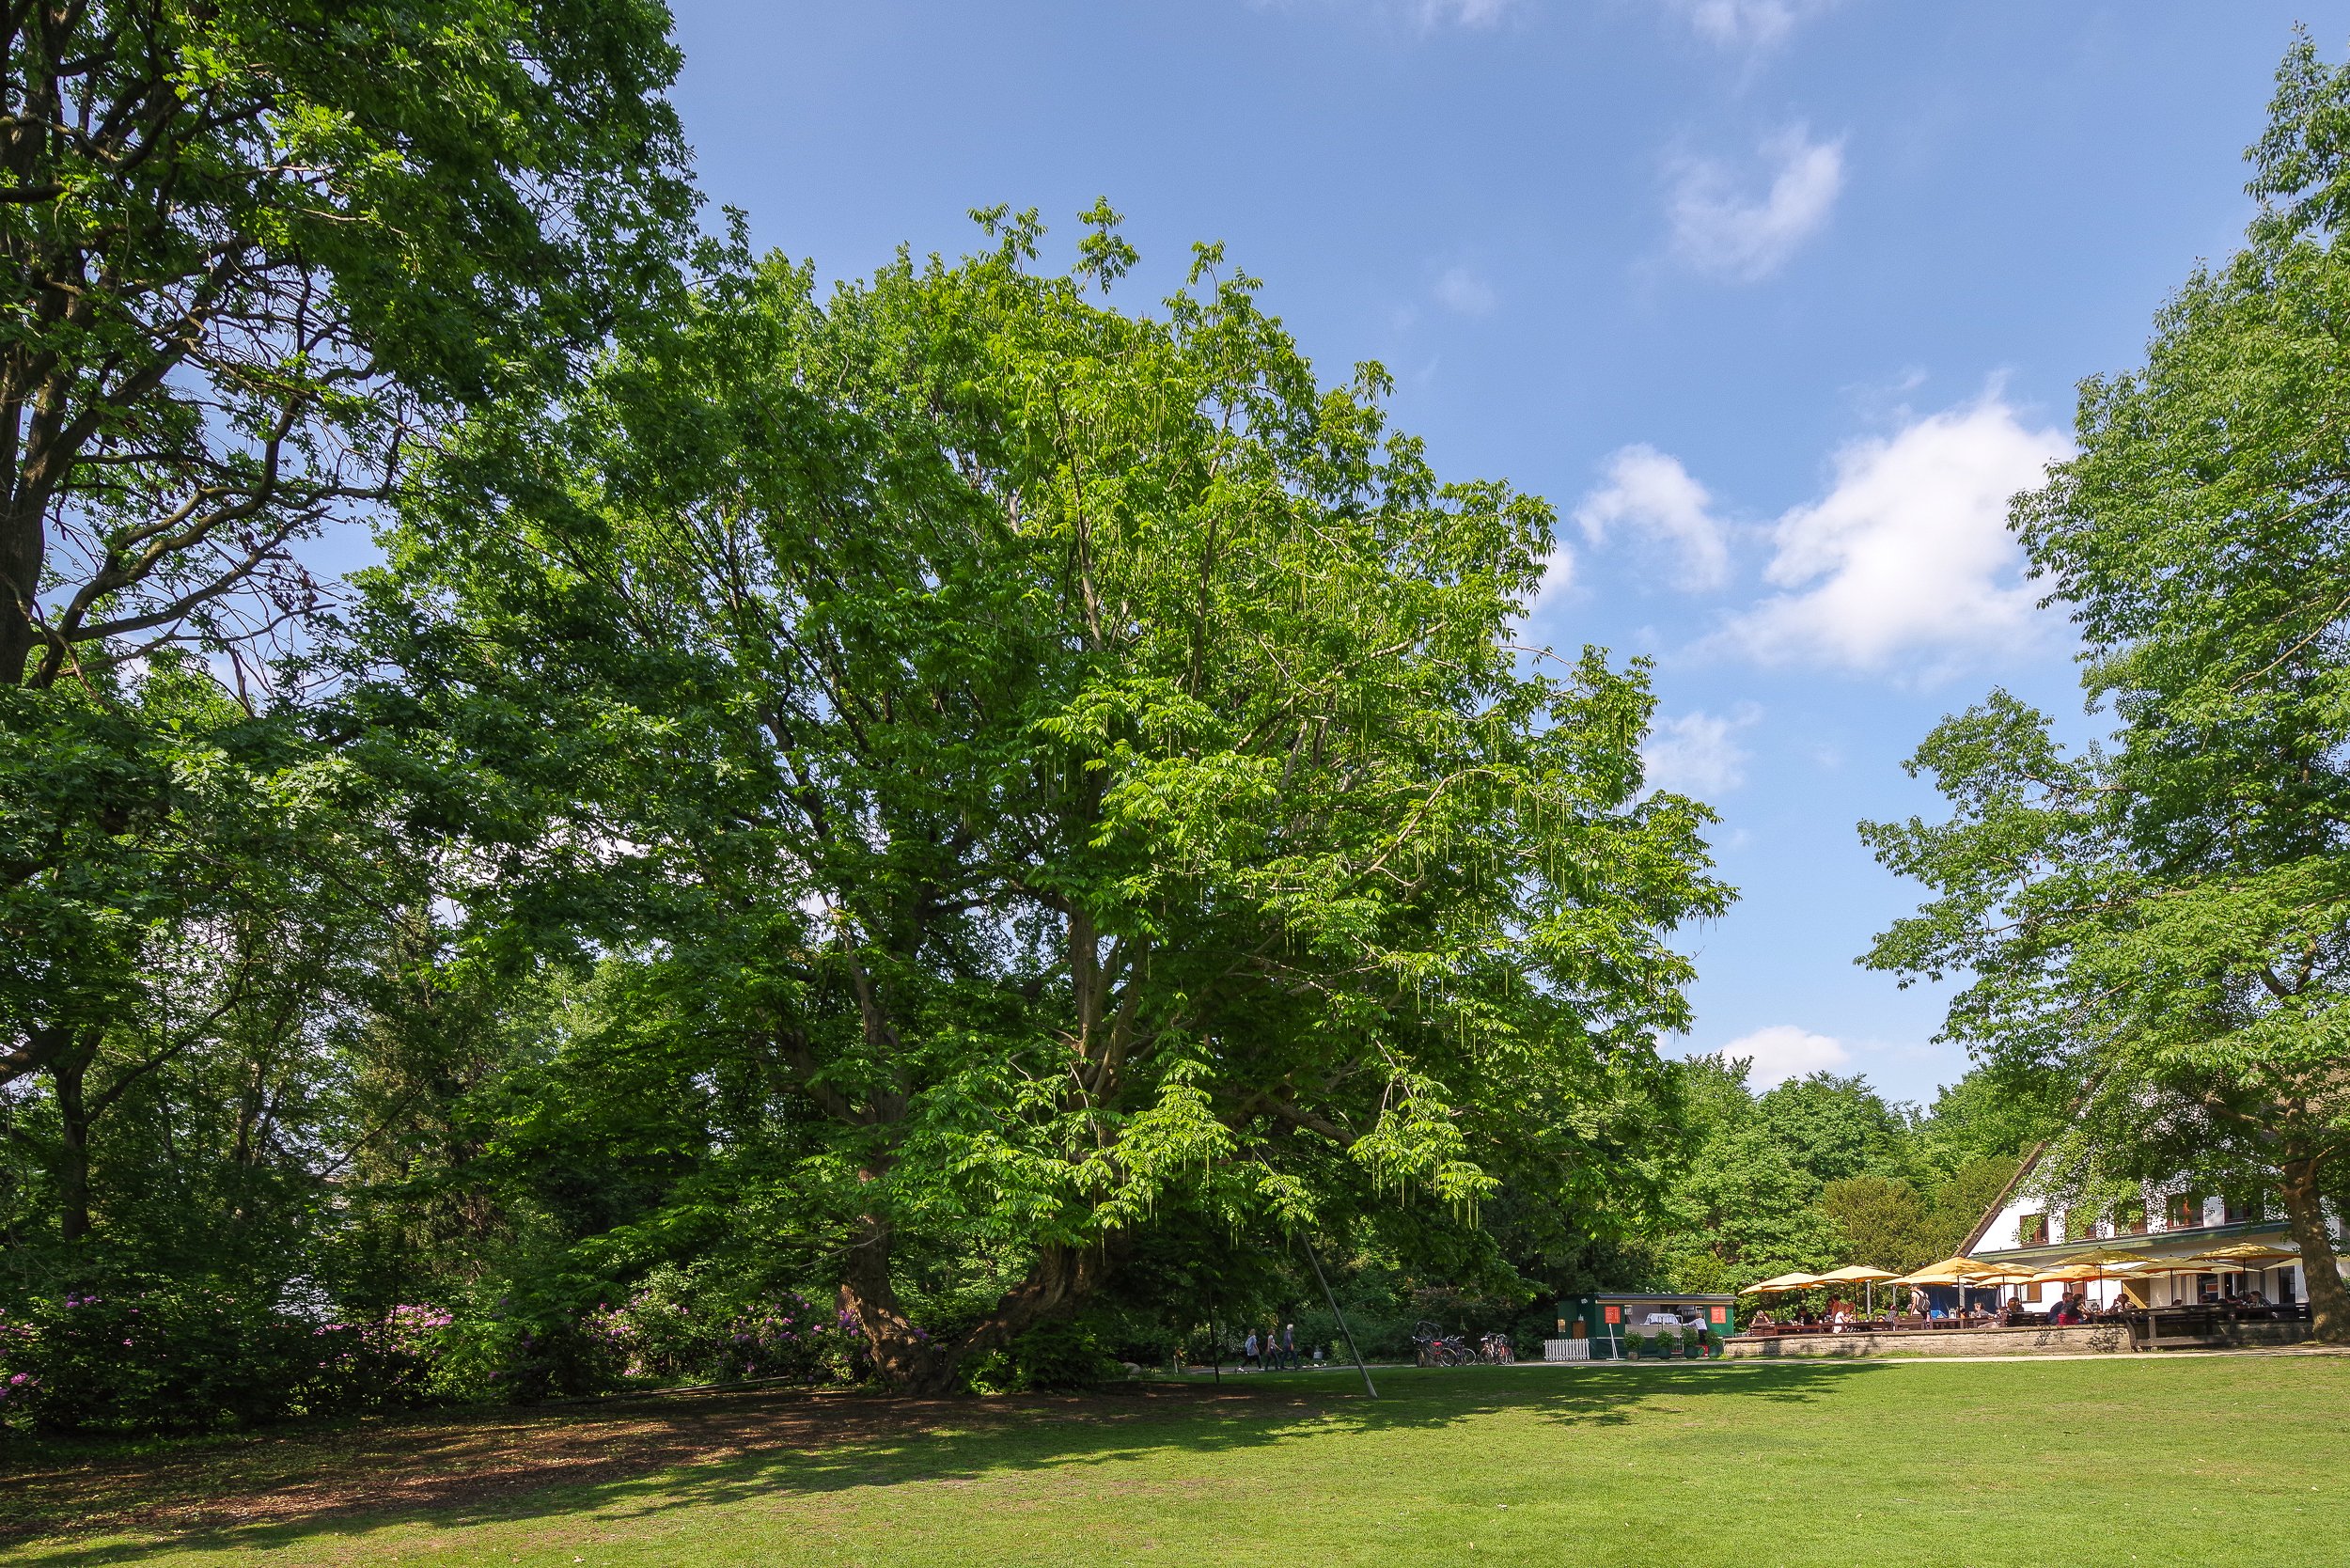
<point x="1927" y="1465"/>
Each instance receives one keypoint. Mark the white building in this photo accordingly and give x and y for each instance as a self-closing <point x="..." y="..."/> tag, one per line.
<point x="2172" y="1224"/>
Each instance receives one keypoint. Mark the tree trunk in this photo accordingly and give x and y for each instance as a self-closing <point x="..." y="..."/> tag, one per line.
<point x="67" y="1072"/>
<point x="2329" y="1301"/>
<point x="908" y="1359"/>
<point x="21" y="553"/>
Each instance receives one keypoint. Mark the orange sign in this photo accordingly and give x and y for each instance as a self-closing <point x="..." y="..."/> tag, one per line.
<point x="1615" y="1314"/>
<point x="1717" y="1315"/>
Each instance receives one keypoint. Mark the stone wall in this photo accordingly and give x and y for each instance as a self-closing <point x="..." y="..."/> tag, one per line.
<point x="2084" y="1340"/>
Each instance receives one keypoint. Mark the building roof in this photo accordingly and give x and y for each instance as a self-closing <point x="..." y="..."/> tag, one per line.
<point x="2173" y="1244"/>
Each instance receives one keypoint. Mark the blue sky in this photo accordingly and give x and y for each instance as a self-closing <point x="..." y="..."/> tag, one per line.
<point x="1774" y="300"/>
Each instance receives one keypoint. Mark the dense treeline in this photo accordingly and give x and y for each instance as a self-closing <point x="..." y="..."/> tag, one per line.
<point x="949" y="833"/>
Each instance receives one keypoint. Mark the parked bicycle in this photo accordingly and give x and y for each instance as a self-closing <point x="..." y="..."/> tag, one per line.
<point x="1433" y="1347"/>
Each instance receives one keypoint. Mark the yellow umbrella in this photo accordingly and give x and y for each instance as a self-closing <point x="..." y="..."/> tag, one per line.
<point x="1783" y="1282"/>
<point x="2102" y="1257"/>
<point x="2245" y="1257"/>
<point x="2255" y="1254"/>
<point x="2105" y="1260"/>
<point x="1863" y="1276"/>
<point x="2172" y="1265"/>
<point x="1959" y="1271"/>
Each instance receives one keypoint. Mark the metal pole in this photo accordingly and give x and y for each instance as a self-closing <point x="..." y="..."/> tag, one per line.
<point x="1346" y="1332"/>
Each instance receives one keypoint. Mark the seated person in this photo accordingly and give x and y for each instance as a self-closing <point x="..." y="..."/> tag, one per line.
<point x="1761" y="1320"/>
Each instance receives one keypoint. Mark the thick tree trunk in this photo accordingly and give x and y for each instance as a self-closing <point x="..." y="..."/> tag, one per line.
<point x="67" y="1076"/>
<point x="2329" y="1301"/>
<point x="22" y="547"/>
<point x="905" y="1358"/>
<point x="910" y="1361"/>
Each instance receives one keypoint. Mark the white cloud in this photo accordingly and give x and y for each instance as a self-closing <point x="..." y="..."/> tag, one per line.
<point x="1424" y="15"/>
<point x="1465" y="13"/>
<point x="1558" y="581"/>
<point x="1752" y="25"/>
<point x="1909" y="552"/>
<point x="1699" y="753"/>
<point x="1721" y="225"/>
<point x="1783" y="1051"/>
<point x="1462" y="292"/>
<point x="1652" y="492"/>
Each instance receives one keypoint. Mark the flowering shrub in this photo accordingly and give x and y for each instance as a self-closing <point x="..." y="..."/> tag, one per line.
<point x="163" y="1356"/>
<point x="18" y="1387"/>
<point x="668" y="1332"/>
<point x="171" y="1358"/>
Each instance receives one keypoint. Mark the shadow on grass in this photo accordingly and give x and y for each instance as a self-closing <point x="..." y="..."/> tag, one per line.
<point x="657" y="1456"/>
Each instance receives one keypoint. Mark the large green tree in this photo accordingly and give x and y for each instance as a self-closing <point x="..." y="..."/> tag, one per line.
<point x="1078" y="760"/>
<point x="2165" y="920"/>
<point x="257" y="253"/>
<point x="251" y="247"/>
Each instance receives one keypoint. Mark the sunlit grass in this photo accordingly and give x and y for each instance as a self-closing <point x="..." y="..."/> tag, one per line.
<point x="1942" y="1464"/>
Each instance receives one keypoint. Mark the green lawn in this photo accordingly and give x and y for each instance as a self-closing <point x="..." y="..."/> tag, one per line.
<point x="1920" y="1463"/>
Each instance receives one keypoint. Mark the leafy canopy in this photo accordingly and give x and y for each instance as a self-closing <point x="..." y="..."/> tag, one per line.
<point x="1079" y="757"/>
<point x="2165" y="920"/>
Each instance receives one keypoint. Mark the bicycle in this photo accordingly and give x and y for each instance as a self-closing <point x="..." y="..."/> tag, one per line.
<point x="1434" y="1347"/>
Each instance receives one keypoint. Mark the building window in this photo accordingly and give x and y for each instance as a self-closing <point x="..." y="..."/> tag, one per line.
<point x="2242" y="1208"/>
<point x="2031" y="1231"/>
<point x="2186" y="1211"/>
<point x="2080" y="1225"/>
<point x="2129" y="1219"/>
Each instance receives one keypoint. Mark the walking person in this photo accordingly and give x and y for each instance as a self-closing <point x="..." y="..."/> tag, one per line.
<point x="1289" y="1345"/>
<point x="1248" y="1351"/>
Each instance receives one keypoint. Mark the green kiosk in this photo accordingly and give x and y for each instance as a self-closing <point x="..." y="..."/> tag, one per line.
<point x="1605" y="1320"/>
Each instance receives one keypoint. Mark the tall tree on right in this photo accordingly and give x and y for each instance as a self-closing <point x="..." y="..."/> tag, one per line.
<point x="2166" y="917"/>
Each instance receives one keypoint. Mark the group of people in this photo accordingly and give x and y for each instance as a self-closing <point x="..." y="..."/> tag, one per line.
<point x="1840" y="1315"/>
<point x="1277" y="1348"/>
<point x="2072" y="1307"/>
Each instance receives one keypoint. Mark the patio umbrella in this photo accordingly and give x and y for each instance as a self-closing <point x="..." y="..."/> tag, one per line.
<point x="1861" y="1275"/>
<point x="1783" y="1282"/>
<point x="2105" y="1260"/>
<point x="1957" y="1270"/>
<point x="2245" y="1257"/>
<point x="2257" y="1254"/>
<point x="1997" y="1277"/>
<point x="2101" y="1256"/>
<point x="2173" y="1266"/>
